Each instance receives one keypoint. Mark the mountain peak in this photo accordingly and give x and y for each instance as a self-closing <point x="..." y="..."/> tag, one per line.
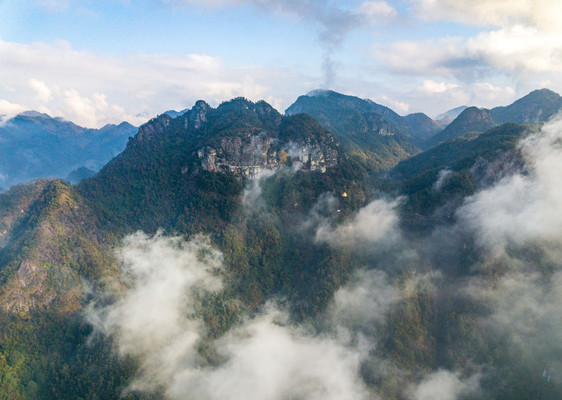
<point x="319" y="93"/>
<point x="33" y="114"/>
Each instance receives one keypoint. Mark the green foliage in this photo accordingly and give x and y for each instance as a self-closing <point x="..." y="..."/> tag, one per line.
<point x="416" y="176"/>
<point x="269" y="252"/>
<point x="373" y="135"/>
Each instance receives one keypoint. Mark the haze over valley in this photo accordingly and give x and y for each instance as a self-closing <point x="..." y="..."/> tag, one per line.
<point x="275" y="200"/>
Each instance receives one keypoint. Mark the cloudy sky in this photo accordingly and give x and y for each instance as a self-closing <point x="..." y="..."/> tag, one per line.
<point x="104" y="61"/>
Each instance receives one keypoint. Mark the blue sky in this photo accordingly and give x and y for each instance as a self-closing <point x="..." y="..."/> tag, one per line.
<point x="97" y="62"/>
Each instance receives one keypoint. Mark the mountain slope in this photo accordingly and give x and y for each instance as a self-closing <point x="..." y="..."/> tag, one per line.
<point x="537" y="106"/>
<point x="50" y="242"/>
<point x="320" y="281"/>
<point x="372" y="133"/>
<point x="448" y="116"/>
<point x="170" y="157"/>
<point x="472" y="119"/>
<point x="457" y="168"/>
<point x="34" y="145"/>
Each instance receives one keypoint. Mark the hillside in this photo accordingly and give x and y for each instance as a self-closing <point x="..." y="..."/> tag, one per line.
<point x="537" y="106"/>
<point x="472" y="119"/>
<point x="458" y="168"/>
<point x="374" y="134"/>
<point x="234" y="244"/>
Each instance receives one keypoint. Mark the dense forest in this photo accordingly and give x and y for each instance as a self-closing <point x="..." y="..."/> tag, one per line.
<point x="234" y="252"/>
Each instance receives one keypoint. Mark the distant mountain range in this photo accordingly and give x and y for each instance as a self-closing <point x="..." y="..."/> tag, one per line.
<point x="34" y="145"/>
<point x="450" y="115"/>
<point x="537" y="106"/>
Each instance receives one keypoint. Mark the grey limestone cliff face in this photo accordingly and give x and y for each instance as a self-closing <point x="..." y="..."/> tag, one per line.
<point x="154" y="127"/>
<point x="197" y="116"/>
<point x="248" y="155"/>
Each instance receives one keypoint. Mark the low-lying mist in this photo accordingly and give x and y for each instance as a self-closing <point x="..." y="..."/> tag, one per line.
<point x="466" y="310"/>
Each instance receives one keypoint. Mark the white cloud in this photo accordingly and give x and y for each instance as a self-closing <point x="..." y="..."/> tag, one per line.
<point x="93" y="89"/>
<point x="374" y="10"/>
<point x="523" y="208"/>
<point x="8" y="110"/>
<point x="361" y="305"/>
<point x="269" y="360"/>
<point x="432" y="87"/>
<point x="445" y="385"/>
<point x="153" y="319"/>
<point x="519" y="48"/>
<point x="90" y="111"/>
<point x="376" y="223"/>
<point x="520" y="44"/>
<point x="263" y="358"/>
<point x="542" y="14"/>
<point x="426" y="58"/>
<point x="44" y="94"/>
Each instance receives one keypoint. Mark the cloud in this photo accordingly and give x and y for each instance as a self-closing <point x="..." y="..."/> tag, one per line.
<point x="332" y="21"/>
<point x="517" y="225"/>
<point x="518" y="41"/>
<point x="541" y="14"/>
<point x="374" y="10"/>
<point x="523" y="208"/>
<point x="94" y="89"/>
<point x="44" y="94"/>
<point x="431" y="57"/>
<point x="90" y="111"/>
<point x="518" y="48"/>
<point x="153" y="319"/>
<point x="442" y="177"/>
<point x="265" y="357"/>
<point x="8" y="110"/>
<point x="445" y="385"/>
<point x="251" y="197"/>
<point x="376" y="223"/>
<point x="361" y="305"/>
<point x="431" y="87"/>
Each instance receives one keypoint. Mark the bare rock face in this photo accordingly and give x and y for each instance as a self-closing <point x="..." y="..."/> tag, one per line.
<point x="243" y="155"/>
<point x="266" y="140"/>
<point x="249" y="155"/>
<point x="27" y="274"/>
<point x="197" y="116"/>
<point x="154" y="127"/>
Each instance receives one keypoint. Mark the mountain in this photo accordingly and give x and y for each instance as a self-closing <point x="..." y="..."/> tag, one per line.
<point x="49" y="243"/>
<point x="34" y="145"/>
<point x="472" y="119"/>
<point x="372" y="133"/>
<point x="80" y="173"/>
<point x="186" y="175"/>
<point x="423" y="125"/>
<point x="450" y="115"/>
<point x="235" y="250"/>
<point x="538" y="106"/>
<point x="174" y="113"/>
<point x="450" y="171"/>
<point x="208" y="153"/>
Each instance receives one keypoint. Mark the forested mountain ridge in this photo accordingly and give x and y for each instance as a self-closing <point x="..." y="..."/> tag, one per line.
<point x="374" y="134"/>
<point x="169" y="157"/>
<point x="234" y="244"/>
<point x="537" y="106"/>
